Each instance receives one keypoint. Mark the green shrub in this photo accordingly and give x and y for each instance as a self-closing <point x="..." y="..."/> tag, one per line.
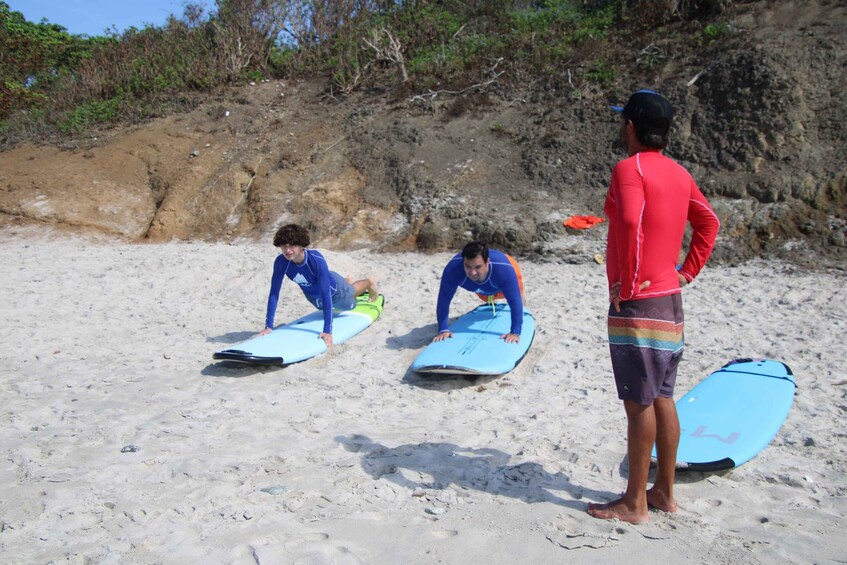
<point x="601" y="73"/>
<point x="714" y="32"/>
<point x="89" y="114"/>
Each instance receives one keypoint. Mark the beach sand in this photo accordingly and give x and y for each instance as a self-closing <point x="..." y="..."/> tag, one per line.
<point x="124" y="442"/>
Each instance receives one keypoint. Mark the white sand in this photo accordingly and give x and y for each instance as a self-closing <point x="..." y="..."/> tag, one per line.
<point x="109" y="345"/>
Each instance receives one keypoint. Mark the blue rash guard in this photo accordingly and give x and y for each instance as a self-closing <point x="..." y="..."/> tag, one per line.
<point x="501" y="278"/>
<point x="315" y="281"/>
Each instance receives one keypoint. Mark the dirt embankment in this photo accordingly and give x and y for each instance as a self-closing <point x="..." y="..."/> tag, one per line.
<point x="761" y="124"/>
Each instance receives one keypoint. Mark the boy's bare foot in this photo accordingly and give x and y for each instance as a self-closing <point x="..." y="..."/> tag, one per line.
<point x="620" y="510"/>
<point x="373" y="293"/>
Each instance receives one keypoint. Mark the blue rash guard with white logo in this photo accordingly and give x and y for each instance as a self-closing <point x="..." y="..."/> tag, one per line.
<point x="315" y="281"/>
<point x="501" y="278"/>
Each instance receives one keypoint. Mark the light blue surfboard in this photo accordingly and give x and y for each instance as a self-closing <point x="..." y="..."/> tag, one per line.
<point x="300" y="340"/>
<point x="476" y="347"/>
<point x="733" y="414"/>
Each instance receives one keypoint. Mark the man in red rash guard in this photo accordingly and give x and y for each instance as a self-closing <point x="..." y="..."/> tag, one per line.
<point x="650" y="199"/>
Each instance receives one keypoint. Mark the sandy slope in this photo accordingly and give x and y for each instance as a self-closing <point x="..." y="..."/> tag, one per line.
<point x="108" y="345"/>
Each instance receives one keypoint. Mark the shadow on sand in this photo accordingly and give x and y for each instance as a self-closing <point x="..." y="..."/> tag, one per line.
<point x="438" y="465"/>
<point x="236" y="370"/>
<point x="231" y="337"/>
<point x="416" y="338"/>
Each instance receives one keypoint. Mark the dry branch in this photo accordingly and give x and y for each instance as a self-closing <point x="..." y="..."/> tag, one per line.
<point x="387" y="47"/>
<point x="431" y="94"/>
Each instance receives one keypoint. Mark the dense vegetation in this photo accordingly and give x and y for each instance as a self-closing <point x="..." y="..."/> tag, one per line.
<point x="52" y="81"/>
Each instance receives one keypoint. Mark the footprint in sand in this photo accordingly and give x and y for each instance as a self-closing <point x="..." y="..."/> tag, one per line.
<point x="444" y="534"/>
<point x="316" y="548"/>
<point x="702" y="506"/>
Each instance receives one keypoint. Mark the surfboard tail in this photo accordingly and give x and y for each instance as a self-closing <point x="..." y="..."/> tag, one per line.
<point x="707" y="466"/>
<point x="245" y="357"/>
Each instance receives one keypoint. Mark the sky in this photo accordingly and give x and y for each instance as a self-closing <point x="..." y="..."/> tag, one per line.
<point x="94" y="17"/>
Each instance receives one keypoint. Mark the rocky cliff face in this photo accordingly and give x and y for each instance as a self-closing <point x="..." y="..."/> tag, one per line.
<point x="761" y="124"/>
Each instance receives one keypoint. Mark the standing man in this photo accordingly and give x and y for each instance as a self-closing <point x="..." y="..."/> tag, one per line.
<point x="650" y="199"/>
<point x="492" y="275"/>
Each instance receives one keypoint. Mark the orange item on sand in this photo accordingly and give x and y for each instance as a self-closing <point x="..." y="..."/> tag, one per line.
<point x="582" y="222"/>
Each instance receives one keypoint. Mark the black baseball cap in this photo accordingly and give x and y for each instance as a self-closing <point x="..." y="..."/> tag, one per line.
<point x="649" y="111"/>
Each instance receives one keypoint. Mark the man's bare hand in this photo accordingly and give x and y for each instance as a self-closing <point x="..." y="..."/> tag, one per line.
<point x="615" y="293"/>
<point x="510" y="338"/>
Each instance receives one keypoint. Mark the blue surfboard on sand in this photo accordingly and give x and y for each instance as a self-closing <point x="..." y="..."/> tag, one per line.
<point x="300" y="340"/>
<point x="733" y="414"/>
<point x="476" y="347"/>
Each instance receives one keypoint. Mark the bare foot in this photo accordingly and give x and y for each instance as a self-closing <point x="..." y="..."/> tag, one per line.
<point x="661" y="501"/>
<point x="618" y="509"/>
<point x="373" y="293"/>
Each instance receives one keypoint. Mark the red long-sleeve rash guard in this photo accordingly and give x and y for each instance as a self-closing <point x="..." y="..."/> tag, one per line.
<point x="649" y="201"/>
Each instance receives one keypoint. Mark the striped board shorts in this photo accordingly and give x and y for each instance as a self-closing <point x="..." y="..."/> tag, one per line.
<point x="646" y="342"/>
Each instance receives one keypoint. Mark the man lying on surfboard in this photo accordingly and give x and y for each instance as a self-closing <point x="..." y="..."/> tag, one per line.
<point x="492" y="275"/>
<point x="325" y="289"/>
